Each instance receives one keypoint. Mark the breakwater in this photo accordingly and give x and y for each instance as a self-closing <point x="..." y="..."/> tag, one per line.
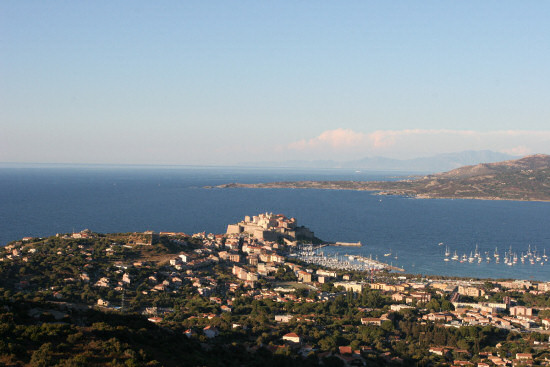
<point x="348" y="244"/>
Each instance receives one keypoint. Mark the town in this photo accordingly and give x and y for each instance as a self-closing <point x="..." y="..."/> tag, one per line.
<point x="247" y="294"/>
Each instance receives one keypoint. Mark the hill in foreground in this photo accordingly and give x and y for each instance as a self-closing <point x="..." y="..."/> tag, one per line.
<point x="171" y="299"/>
<point x="527" y="178"/>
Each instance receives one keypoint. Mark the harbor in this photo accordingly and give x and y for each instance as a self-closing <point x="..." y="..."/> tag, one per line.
<point x="313" y="254"/>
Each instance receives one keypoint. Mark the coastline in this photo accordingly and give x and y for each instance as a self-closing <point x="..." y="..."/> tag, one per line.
<point x="375" y="191"/>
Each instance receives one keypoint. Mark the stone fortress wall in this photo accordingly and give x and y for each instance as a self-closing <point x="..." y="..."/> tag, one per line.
<point x="270" y="227"/>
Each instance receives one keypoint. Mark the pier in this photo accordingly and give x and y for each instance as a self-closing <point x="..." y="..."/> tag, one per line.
<point x="348" y="244"/>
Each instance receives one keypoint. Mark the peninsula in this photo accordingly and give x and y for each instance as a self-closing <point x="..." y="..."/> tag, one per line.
<point x="525" y="179"/>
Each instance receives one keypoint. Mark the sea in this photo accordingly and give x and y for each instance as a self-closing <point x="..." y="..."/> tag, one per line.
<point x="42" y="200"/>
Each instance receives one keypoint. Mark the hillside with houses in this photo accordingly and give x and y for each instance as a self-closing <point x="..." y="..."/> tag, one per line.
<point x="239" y="298"/>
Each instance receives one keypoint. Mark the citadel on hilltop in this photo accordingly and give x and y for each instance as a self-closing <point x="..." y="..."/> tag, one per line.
<point x="271" y="227"/>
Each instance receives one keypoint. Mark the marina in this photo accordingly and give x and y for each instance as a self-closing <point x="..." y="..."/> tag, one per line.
<point x="312" y="254"/>
<point x="510" y="257"/>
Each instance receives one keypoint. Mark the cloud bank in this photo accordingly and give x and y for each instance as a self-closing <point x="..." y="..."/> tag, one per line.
<point x="348" y="144"/>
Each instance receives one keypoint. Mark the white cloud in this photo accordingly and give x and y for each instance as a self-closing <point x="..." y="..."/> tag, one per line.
<point x="348" y="144"/>
<point x="338" y="139"/>
<point x="520" y="150"/>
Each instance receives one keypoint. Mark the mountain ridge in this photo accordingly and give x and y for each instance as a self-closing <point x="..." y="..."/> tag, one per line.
<point x="435" y="163"/>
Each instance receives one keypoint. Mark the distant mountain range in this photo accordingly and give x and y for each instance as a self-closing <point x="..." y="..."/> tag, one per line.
<point x="436" y="163"/>
<point x="527" y="178"/>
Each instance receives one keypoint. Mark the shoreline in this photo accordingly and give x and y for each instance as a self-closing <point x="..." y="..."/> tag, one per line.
<point x="378" y="192"/>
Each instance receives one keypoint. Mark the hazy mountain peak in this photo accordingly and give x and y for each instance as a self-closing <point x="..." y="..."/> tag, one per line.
<point x="435" y="163"/>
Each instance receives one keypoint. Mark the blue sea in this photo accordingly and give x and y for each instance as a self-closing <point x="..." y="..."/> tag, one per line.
<point x="41" y="200"/>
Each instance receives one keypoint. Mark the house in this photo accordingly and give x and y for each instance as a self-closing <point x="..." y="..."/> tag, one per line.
<point x="470" y="291"/>
<point x="292" y="337"/>
<point x="175" y="261"/>
<point x="521" y="311"/>
<point x="283" y="318"/>
<point x="439" y="316"/>
<point x="210" y="332"/>
<point x="216" y="300"/>
<point x="350" y="286"/>
<point x="345" y="350"/>
<point x="546" y="323"/>
<point x="371" y="321"/>
<point x="516" y="284"/>
<point x="462" y="363"/>
<point x="524" y="356"/>
<point x="225" y="308"/>
<point x="189" y="333"/>
<point x="234" y="257"/>
<point x="398" y="308"/>
<point x="159" y="287"/>
<point x="438" y="351"/>
<point x="103" y="303"/>
<point x="421" y="297"/>
<point x="103" y="282"/>
<point x="304" y="276"/>
<point x="398" y="297"/>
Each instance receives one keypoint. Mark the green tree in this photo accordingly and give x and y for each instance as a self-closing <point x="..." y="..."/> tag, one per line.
<point x="42" y="357"/>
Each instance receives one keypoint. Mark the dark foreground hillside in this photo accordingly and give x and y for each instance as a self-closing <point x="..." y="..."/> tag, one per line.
<point x="138" y="299"/>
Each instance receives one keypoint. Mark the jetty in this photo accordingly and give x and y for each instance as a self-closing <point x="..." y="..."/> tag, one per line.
<point x="348" y="244"/>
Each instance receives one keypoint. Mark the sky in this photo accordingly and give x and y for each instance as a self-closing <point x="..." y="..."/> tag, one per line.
<point x="225" y="82"/>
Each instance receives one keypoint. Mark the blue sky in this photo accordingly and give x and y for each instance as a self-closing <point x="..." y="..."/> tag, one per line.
<point x="226" y="82"/>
